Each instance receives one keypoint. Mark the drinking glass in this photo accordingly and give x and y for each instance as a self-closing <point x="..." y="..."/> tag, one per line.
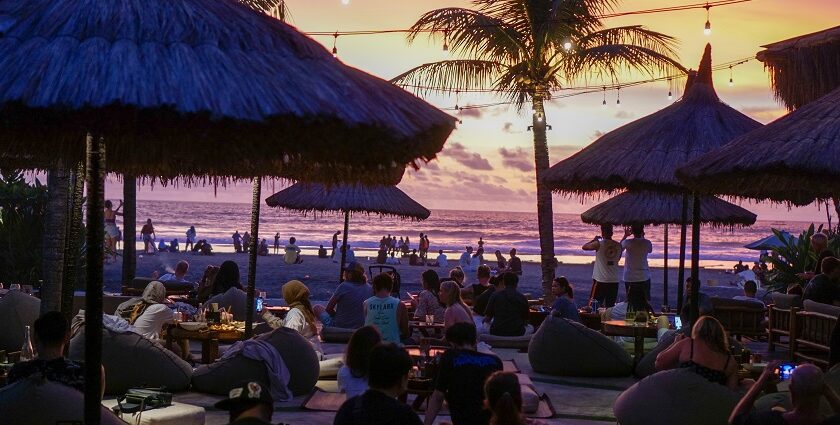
<point x="430" y="319"/>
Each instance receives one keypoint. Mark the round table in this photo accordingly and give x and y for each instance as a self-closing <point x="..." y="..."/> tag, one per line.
<point x="638" y="330"/>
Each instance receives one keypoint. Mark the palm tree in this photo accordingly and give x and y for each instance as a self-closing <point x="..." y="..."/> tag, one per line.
<point x="55" y="230"/>
<point x="524" y="49"/>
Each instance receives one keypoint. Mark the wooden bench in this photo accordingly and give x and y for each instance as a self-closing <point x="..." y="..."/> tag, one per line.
<point x="811" y="337"/>
<point x="740" y="318"/>
<point x="780" y="323"/>
<point x="138" y="284"/>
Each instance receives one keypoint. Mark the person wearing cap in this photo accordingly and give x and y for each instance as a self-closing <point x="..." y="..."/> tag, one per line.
<point x="248" y="404"/>
<point x="346" y="307"/>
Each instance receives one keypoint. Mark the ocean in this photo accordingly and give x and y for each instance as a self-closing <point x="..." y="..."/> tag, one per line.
<point x="449" y="230"/>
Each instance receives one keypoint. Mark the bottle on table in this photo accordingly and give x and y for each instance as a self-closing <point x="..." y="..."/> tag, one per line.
<point x="26" y="351"/>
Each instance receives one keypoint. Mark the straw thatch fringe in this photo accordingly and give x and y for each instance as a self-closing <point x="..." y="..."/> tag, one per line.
<point x="383" y="200"/>
<point x="646" y="207"/>
<point x="794" y="159"/>
<point x="644" y="154"/>
<point x="804" y="68"/>
<point x="194" y="87"/>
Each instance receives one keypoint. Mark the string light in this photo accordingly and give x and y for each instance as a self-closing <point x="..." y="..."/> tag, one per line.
<point x="567" y="45"/>
<point x="707" y="30"/>
<point x="618" y="97"/>
<point x="670" y="93"/>
<point x="731" y="80"/>
<point x="335" y="42"/>
<point x="604" y="103"/>
<point x="345" y="2"/>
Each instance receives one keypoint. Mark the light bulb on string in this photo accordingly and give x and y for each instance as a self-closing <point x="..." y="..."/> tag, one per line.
<point x="731" y="80"/>
<point x="335" y="47"/>
<point x="345" y="2"/>
<point x="604" y="103"/>
<point x="670" y="93"/>
<point x="618" y="97"/>
<point x="707" y="30"/>
<point x="567" y="45"/>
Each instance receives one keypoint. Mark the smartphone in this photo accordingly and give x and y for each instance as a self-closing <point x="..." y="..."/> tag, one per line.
<point x="677" y="322"/>
<point x="259" y="304"/>
<point x="785" y="370"/>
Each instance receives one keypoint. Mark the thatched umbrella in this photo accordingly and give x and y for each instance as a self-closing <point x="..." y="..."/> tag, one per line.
<point x="644" y="154"/>
<point x="187" y="88"/>
<point x="380" y="199"/>
<point x="772" y="241"/>
<point x="656" y="208"/>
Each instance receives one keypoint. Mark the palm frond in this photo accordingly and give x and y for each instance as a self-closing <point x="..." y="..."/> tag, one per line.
<point x="612" y="59"/>
<point x="448" y="76"/>
<point x="275" y="8"/>
<point x="636" y="35"/>
<point x="471" y="33"/>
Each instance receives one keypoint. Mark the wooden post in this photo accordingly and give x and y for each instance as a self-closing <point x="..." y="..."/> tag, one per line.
<point x="681" y="270"/>
<point x="665" y="274"/>
<point x="129" y="262"/>
<point x="694" y="313"/>
<point x="252" y="255"/>
<point x="344" y="246"/>
<point x="93" y="288"/>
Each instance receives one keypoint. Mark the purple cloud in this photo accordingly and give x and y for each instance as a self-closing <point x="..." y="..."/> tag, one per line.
<point x="472" y="160"/>
<point x="518" y="159"/>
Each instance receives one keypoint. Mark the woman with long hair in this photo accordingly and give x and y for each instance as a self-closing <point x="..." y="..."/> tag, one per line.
<point x="353" y="376"/>
<point x="428" y="301"/>
<point x="564" y="304"/>
<point x="456" y="310"/>
<point x="503" y="397"/>
<point x="226" y="278"/>
<point x="706" y="353"/>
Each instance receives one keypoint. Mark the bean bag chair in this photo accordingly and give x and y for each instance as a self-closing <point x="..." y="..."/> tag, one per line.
<point x="676" y="396"/>
<point x="496" y="341"/>
<point x="298" y="354"/>
<point x="132" y="360"/>
<point x="336" y="335"/>
<point x="566" y="348"/>
<point x="17" y="310"/>
<point x="646" y="365"/>
<point x="234" y="300"/>
<point x="37" y="401"/>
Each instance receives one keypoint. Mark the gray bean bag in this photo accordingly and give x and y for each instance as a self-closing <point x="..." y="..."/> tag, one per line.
<point x="646" y="365"/>
<point x="566" y="348"/>
<point x="296" y="351"/>
<point x="36" y="401"/>
<point x="496" y="341"/>
<point x="337" y="335"/>
<point x="17" y="310"/>
<point x="132" y="360"/>
<point x="233" y="300"/>
<point x="676" y="396"/>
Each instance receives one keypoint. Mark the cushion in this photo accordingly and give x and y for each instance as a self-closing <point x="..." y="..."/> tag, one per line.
<point x="567" y="348"/>
<point x="786" y="301"/>
<point x="19" y="404"/>
<point x="816" y="307"/>
<point x="17" y="311"/>
<point x="109" y="303"/>
<point x="176" y="414"/>
<point x="138" y="284"/>
<point x="719" y="303"/>
<point x="676" y="396"/>
<point x="132" y="360"/>
<point x="496" y="341"/>
<point x="234" y="300"/>
<point x="296" y="351"/>
<point x="337" y="335"/>
<point x="530" y="399"/>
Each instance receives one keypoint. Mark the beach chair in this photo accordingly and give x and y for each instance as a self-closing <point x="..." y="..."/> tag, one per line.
<point x="391" y="270"/>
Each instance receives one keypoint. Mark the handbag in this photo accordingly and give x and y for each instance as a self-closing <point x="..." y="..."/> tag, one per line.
<point x="138" y="400"/>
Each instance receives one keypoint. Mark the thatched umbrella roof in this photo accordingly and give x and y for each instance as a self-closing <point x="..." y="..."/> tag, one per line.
<point x="193" y="87"/>
<point x="384" y="200"/>
<point x="644" y="154"/>
<point x="793" y="159"/>
<point x="804" y="68"/>
<point x="647" y="207"/>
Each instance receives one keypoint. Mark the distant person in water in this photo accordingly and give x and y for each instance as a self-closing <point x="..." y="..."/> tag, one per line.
<point x="237" y="242"/>
<point x="263" y="249"/>
<point x="191" y="235"/>
<point x="292" y="252"/>
<point x="481" y="243"/>
<point x="277" y="243"/>
<point x="322" y="252"/>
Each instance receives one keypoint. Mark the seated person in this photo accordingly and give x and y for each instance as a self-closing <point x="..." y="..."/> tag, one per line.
<point x="456" y="310"/>
<point x="388" y="379"/>
<point x="173" y="246"/>
<point x="392" y="260"/>
<point x="501" y="261"/>
<point x="480" y="303"/>
<point x="350" y="255"/>
<point x="470" y="293"/>
<point x="51" y="333"/>
<point x="507" y="310"/>
<point x="196" y="248"/>
<point x="504" y="400"/>
<point x="179" y="274"/>
<point x="149" y="312"/>
<point x="162" y="247"/>
<point x="706" y="353"/>
<point x="823" y="288"/>
<point x="457" y="275"/>
<point x="705" y="302"/>
<point x="382" y="256"/>
<point x="386" y="313"/>
<point x="460" y="380"/>
<point x="750" y="289"/>
<point x="441" y="260"/>
<point x="414" y="259"/>
<point x="227" y="291"/>
<point x="263" y="248"/>
<point x="345" y="309"/>
<point x="292" y="252"/>
<point x="564" y="304"/>
<point x="301" y="315"/>
<point x="636" y="302"/>
<point x="353" y="375"/>
<point x="322" y="252"/>
<point x="249" y="404"/>
<point x="807" y="387"/>
<point x="428" y="301"/>
<point x="515" y="263"/>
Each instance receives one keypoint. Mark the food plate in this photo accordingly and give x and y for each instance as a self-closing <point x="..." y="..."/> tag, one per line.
<point x="193" y="326"/>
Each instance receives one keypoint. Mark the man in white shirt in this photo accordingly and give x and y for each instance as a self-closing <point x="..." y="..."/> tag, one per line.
<point x="636" y="270"/>
<point x="178" y="275"/>
<point x="605" y="271"/>
<point x="466" y="259"/>
<point x="442" y="261"/>
<point x="392" y="260"/>
<point x="750" y="290"/>
<point x="292" y="252"/>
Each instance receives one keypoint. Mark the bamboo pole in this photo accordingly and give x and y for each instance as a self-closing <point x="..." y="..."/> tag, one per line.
<point x="252" y="256"/>
<point x="344" y="246"/>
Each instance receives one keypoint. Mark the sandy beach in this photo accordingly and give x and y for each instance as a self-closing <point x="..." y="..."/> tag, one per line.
<point x="321" y="275"/>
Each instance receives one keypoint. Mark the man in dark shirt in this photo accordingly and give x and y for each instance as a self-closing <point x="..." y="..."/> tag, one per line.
<point x="515" y="263"/>
<point x="507" y="310"/>
<point x="471" y="293"/>
<point x="480" y="304"/>
<point x="51" y="334"/>
<point x="823" y="287"/>
<point x="460" y="380"/>
<point x="387" y="379"/>
<point x="705" y="303"/>
<point x="819" y="244"/>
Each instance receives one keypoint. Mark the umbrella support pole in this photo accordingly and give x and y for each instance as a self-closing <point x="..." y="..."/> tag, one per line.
<point x="252" y="256"/>
<point x="681" y="270"/>
<point x="665" y="273"/>
<point x="694" y="312"/>
<point x="93" y="286"/>
<point x="129" y="261"/>
<point x="344" y="246"/>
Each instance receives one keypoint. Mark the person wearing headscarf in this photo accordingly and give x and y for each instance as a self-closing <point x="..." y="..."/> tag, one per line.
<point x="149" y="312"/>
<point x="301" y="316"/>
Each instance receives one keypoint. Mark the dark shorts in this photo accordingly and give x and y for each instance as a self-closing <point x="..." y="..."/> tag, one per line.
<point x="644" y="284"/>
<point x="604" y="292"/>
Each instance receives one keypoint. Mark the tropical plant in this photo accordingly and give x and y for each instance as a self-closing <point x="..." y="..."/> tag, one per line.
<point x="793" y="257"/>
<point x="22" y="207"/>
<point x="524" y="49"/>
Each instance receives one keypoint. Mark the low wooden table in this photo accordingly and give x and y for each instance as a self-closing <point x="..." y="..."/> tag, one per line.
<point x="434" y="330"/>
<point x="638" y="330"/>
<point x="209" y="340"/>
<point x="537" y="317"/>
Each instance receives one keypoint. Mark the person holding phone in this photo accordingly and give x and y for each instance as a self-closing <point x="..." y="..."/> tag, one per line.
<point x="605" y="271"/>
<point x="807" y="387"/>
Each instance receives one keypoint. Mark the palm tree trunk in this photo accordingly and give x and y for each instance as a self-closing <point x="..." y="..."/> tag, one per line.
<point x="694" y="311"/>
<point x="94" y="274"/>
<point x="252" y="255"/>
<point x="74" y="233"/>
<point x="129" y="263"/>
<point x="681" y="271"/>
<point x="545" y="214"/>
<point x="837" y="209"/>
<point x="55" y="232"/>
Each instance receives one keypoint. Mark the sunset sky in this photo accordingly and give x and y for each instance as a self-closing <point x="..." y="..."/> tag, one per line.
<point x="488" y="161"/>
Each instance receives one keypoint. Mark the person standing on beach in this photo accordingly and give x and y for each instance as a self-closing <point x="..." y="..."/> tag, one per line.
<point x="605" y="271"/>
<point x="636" y="270"/>
<point x="334" y="243"/>
<point x="191" y="234"/>
<point x="246" y="242"/>
<point x="237" y="242"/>
<point x="112" y="232"/>
<point x="276" y="242"/>
<point x="466" y="258"/>
<point x="148" y="232"/>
